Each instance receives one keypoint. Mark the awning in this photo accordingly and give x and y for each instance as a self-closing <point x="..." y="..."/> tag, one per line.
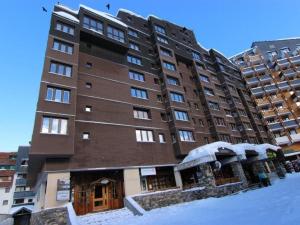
<point x="207" y="153"/>
<point x="15" y="210"/>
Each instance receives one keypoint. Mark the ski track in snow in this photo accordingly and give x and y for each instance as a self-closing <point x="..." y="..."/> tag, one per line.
<point x="275" y="205"/>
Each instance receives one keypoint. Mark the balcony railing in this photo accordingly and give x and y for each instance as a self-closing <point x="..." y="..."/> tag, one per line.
<point x="260" y="68"/>
<point x="247" y="72"/>
<point x="268" y="114"/>
<point x="283" y="111"/>
<point x="257" y="91"/>
<point x="252" y="81"/>
<point x="275" y="126"/>
<point x="287" y="74"/>
<point x="295" y="60"/>
<point x="295" y="137"/>
<point x="271" y="88"/>
<point x="262" y="102"/>
<point x="295" y="83"/>
<point x="265" y="79"/>
<point x="282" y="140"/>
<point x="23" y="194"/>
<point x="21" y="182"/>
<point x="283" y="86"/>
<point x="276" y="99"/>
<point x="290" y="123"/>
<point x="282" y="63"/>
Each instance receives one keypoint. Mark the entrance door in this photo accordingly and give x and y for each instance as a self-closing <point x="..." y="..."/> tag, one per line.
<point x="100" y="197"/>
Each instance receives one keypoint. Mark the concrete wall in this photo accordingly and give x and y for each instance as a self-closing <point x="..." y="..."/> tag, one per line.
<point x="4" y="209"/>
<point x="51" y="189"/>
<point x="39" y="203"/>
<point x="132" y="182"/>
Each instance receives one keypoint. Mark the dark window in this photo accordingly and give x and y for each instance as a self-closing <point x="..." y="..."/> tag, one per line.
<point x="159" y="29"/>
<point x="115" y="34"/>
<point x="62" y="46"/>
<point x="65" y="28"/>
<point x="93" y="24"/>
<point x="134" y="60"/>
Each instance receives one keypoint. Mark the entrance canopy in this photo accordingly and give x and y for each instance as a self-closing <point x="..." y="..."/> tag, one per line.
<point x="208" y="153"/>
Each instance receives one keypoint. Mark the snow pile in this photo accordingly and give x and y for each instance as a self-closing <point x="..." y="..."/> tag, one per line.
<point x="103" y="14"/>
<point x="67" y="16"/>
<point x="274" y="205"/>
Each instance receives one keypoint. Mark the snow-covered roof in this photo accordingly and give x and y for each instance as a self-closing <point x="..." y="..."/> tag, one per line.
<point x="103" y="14"/>
<point x="206" y="49"/>
<point x="67" y="8"/>
<point x="206" y="153"/>
<point x="17" y="209"/>
<point x="206" y="150"/>
<point x="67" y="16"/>
<point x="131" y="13"/>
<point x="240" y="53"/>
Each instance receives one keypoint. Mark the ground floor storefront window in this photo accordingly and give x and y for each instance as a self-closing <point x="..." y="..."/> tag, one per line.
<point x="158" y="178"/>
<point x="224" y="175"/>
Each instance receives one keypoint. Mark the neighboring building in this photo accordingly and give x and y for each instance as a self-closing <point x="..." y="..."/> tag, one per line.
<point x="7" y="172"/>
<point x="271" y="70"/>
<point x="122" y="101"/>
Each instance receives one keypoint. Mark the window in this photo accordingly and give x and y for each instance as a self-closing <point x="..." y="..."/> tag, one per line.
<point x="213" y="105"/>
<point x="85" y="135"/>
<point x="88" y="85"/>
<point x="139" y="113"/>
<point x="136" y="76"/>
<point x="139" y="93"/>
<point x="173" y="81"/>
<point x="159" y="29"/>
<point x="220" y="121"/>
<point x="233" y="126"/>
<point x="209" y="91"/>
<point x="52" y="125"/>
<point x="19" y="201"/>
<point x="5" y="202"/>
<point x="242" y="112"/>
<point x="196" y="106"/>
<point x="201" y="123"/>
<point x="206" y="140"/>
<point x="186" y="135"/>
<point x="181" y="115"/>
<point x="204" y="78"/>
<point x="115" y="34"/>
<point x="93" y="24"/>
<point x="224" y="137"/>
<point x="61" y="69"/>
<point x="7" y="190"/>
<point x="162" y="40"/>
<point x="176" y="97"/>
<point x="169" y="66"/>
<point x="88" y="108"/>
<point x="132" y="33"/>
<point x="88" y="65"/>
<point x="247" y="126"/>
<point x="228" y="112"/>
<point x="20" y="188"/>
<point x="144" y="136"/>
<point x="165" y="52"/>
<point x="58" y="95"/>
<point x="134" y="46"/>
<point x="159" y="98"/>
<point x="161" y="138"/>
<point x="196" y="56"/>
<point x="65" y="28"/>
<point x="62" y="46"/>
<point x="134" y="60"/>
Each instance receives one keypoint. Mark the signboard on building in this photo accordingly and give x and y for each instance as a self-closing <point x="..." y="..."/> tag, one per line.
<point x="63" y="190"/>
<point x="149" y="171"/>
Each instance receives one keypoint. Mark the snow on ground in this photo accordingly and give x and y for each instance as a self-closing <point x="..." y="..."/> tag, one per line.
<point x="275" y="205"/>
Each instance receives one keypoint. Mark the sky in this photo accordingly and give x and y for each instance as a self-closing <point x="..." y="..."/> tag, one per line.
<point x="229" y="26"/>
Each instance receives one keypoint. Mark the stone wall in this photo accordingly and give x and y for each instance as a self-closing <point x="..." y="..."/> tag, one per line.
<point x="170" y="197"/>
<point x="57" y="216"/>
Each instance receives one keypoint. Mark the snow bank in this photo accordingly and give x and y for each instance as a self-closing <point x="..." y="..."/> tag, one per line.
<point x="67" y="15"/>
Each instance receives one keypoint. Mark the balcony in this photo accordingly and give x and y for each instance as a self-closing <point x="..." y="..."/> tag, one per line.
<point x="268" y="113"/>
<point x="275" y="126"/>
<point x="271" y="89"/>
<point x="283" y="86"/>
<point x="296" y="60"/>
<point x="23" y="194"/>
<point x="255" y="59"/>
<point x="295" y="96"/>
<point x="282" y="140"/>
<point x="257" y="91"/>
<point x="290" y="123"/>
<point x="252" y="81"/>
<point x="262" y="102"/>
<point x="295" y="137"/>
<point x="247" y="72"/>
<point x="261" y="68"/>
<point x="21" y="182"/>
<point x="283" y="111"/>
<point x="282" y="63"/>
<point x="295" y="83"/>
<point x="276" y="99"/>
<point x="265" y="79"/>
<point x="287" y="74"/>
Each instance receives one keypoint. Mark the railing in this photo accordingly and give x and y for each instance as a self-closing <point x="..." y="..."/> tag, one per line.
<point x="295" y="83"/>
<point x="268" y="113"/>
<point x="23" y="194"/>
<point x="256" y="91"/>
<point x="262" y="102"/>
<point x="222" y="181"/>
<point x="283" y="85"/>
<point x="275" y="126"/>
<point x="282" y="140"/>
<point x="290" y="123"/>
<point x="295" y="137"/>
<point x="21" y="182"/>
<point x="247" y="71"/>
<point x="276" y="99"/>
<point x="283" y="111"/>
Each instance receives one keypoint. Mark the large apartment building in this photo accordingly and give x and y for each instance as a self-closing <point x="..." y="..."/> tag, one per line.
<point x="271" y="70"/>
<point x="122" y="101"/>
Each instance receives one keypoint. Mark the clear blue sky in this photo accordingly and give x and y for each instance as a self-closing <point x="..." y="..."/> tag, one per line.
<point x="227" y="25"/>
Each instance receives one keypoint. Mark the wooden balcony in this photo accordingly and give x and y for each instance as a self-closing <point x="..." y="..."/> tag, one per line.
<point x="268" y="113"/>
<point x="262" y="102"/>
<point x="283" y="111"/>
